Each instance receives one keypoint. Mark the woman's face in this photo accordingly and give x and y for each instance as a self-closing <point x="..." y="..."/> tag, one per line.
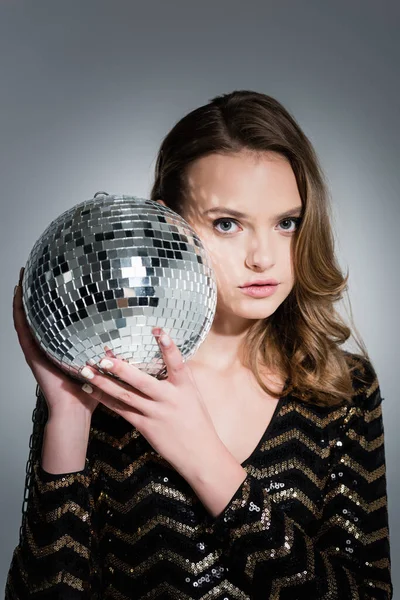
<point x="254" y="246"/>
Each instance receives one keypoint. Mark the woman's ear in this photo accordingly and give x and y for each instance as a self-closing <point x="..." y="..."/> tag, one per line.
<point x="161" y="202"/>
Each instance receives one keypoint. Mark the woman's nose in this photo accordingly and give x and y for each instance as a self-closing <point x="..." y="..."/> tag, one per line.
<point x="261" y="253"/>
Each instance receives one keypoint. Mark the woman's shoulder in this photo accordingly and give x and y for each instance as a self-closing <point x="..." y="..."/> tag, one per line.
<point x="365" y="382"/>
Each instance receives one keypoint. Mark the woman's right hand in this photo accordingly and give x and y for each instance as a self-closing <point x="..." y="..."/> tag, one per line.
<point x="62" y="393"/>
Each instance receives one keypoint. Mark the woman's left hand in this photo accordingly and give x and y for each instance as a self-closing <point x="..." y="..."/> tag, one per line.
<point x="169" y="413"/>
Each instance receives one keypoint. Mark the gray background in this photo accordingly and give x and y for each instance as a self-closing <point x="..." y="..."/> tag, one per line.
<point x="88" y="90"/>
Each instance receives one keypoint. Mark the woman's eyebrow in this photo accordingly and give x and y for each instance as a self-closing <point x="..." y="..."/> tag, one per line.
<point x="235" y="213"/>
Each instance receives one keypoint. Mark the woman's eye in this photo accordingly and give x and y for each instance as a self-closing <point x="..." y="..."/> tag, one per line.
<point x="295" y="220"/>
<point x="224" y="221"/>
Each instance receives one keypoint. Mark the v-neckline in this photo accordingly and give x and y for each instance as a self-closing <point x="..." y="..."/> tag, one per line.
<point x="267" y="432"/>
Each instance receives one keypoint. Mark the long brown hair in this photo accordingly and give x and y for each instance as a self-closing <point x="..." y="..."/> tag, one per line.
<point x="301" y="340"/>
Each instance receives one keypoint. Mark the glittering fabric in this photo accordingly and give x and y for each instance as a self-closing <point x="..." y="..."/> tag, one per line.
<point x="309" y="521"/>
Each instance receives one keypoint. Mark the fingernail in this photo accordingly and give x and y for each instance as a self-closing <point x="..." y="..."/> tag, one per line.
<point x="86" y="372"/>
<point x="109" y="352"/>
<point x="165" y="340"/>
<point x="15" y="289"/>
<point x="87" y="388"/>
<point x="106" y="364"/>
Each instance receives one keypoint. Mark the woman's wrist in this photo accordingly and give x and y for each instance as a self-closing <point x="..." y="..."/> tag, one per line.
<point x="65" y="442"/>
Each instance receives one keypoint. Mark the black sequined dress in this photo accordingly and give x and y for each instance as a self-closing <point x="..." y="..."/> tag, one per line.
<point x="309" y="521"/>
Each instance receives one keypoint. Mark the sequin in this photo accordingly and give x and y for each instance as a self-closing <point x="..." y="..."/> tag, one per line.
<point x="293" y="518"/>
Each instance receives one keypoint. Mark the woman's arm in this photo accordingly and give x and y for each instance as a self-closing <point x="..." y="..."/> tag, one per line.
<point x="349" y="557"/>
<point x="56" y="554"/>
<point x="65" y="442"/>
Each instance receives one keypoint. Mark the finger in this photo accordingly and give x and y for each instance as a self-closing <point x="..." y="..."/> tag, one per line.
<point x="132" y="414"/>
<point x="110" y="353"/>
<point x="172" y="356"/>
<point x="18" y="309"/>
<point x="17" y="299"/>
<point x="119" y="391"/>
<point x="25" y="337"/>
<point x="21" y="275"/>
<point x="142" y="382"/>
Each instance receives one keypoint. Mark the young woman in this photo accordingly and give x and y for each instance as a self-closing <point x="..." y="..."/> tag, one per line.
<point x="254" y="470"/>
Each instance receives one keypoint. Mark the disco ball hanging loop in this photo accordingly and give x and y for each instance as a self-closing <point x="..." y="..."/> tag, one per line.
<point x="107" y="271"/>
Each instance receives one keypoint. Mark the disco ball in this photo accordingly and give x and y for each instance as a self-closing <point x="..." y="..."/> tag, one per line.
<point x="107" y="271"/>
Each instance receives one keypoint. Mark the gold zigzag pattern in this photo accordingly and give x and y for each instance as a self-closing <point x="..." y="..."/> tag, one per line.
<point x="295" y="433"/>
<point x="332" y="550"/>
<point x="317" y="420"/>
<point x="68" y="507"/>
<point x="64" y="541"/>
<point x="133" y="538"/>
<point x="323" y="453"/>
<point x="330" y="577"/>
<point x="371" y="415"/>
<point x="259" y="525"/>
<point x="279" y="582"/>
<point x="370" y="389"/>
<point x="379" y="534"/>
<point x="381" y="564"/>
<point x="50" y="582"/>
<point x="343" y="490"/>
<point x="285" y="465"/>
<point x="336" y="415"/>
<point x="369" y="446"/>
<point x="193" y="568"/>
<point x="222" y="588"/>
<point x="115" y="442"/>
<point x="280" y="552"/>
<point x="345" y="524"/>
<point x="381" y="585"/>
<point x="360" y="470"/>
<point x="132" y="467"/>
<point x="299" y="495"/>
<point x="351" y="529"/>
<point x="352" y="583"/>
<point x="62" y="483"/>
<point x="143" y="493"/>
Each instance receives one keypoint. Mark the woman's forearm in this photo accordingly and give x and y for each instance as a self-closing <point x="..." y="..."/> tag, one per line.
<point x="65" y="442"/>
<point x="215" y="476"/>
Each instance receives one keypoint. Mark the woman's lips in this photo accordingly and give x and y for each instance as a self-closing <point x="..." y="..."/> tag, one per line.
<point x="259" y="291"/>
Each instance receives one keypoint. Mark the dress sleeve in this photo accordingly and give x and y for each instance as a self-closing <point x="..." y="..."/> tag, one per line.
<point x="57" y="552"/>
<point x="348" y="557"/>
